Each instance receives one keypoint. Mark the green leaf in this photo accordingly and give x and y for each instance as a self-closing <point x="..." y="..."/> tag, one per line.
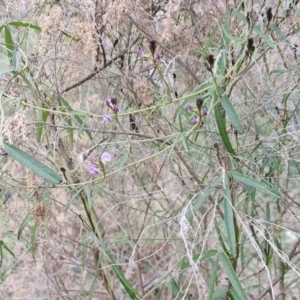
<point x="1" y="253"/>
<point x="176" y="288"/>
<point x="282" y="35"/>
<point x="228" y="218"/>
<point x="256" y="184"/>
<point x="25" y="25"/>
<point x="3" y="71"/>
<point x="226" y="38"/>
<point x="200" y="257"/>
<point x="32" y="164"/>
<point x="219" y="294"/>
<point x="231" y="274"/>
<point x="33" y="239"/>
<point x="269" y="41"/>
<point x="24" y="223"/>
<point x="280" y="71"/>
<point x="282" y="264"/>
<point x="220" y="63"/>
<point x="128" y="287"/>
<point x="221" y="238"/>
<point x="40" y="126"/>
<point x="222" y="129"/>
<point x="232" y="115"/>
<point x="75" y="192"/>
<point x="69" y="36"/>
<point x="9" y="43"/>
<point x="16" y="59"/>
<point x="240" y="16"/>
<point x="213" y="280"/>
<point x="203" y="197"/>
<point x="257" y="29"/>
<point x="212" y="35"/>
<point x="4" y="246"/>
<point x="79" y="112"/>
<point x="77" y="118"/>
<point x="184" y="142"/>
<point x="26" y="80"/>
<point x="70" y="132"/>
<point x="239" y="63"/>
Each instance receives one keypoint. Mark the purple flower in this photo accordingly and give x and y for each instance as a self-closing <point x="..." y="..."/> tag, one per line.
<point x="106" y="118"/>
<point x="189" y="107"/>
<point x="8" y="195"/>
<point x="116" y="108"/>
<point x="93" y="170"/>
<point x="140" y="52"/>
<point x="106" y="157"/>
<point x="112" y="103"/>
<point x="91" y="159"/>
<point x="195" y="120"/>
<point x="158" y="55"/>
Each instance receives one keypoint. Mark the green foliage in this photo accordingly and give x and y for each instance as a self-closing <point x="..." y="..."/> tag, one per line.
<point x="178" y="152"/>
<point x="32" y="164"/>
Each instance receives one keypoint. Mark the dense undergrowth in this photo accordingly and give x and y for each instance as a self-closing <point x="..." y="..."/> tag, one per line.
<point x="149" y="150"/>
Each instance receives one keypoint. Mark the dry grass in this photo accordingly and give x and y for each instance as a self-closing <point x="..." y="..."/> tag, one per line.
<point x="145" y="197"/>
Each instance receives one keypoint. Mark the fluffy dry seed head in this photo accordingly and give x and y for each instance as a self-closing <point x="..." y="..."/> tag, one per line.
<point x="39" y="212"/>
<point x="144" y="92"/>
<point x="15" y="130"/>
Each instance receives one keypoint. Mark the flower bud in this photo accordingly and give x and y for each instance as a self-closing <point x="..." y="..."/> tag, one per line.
<point x="113" y="101"/>
<point x="210" y="58"/>
<point x="152" y="46"/>
<point x="269" y="14"/>
<point x="199" y="103"/>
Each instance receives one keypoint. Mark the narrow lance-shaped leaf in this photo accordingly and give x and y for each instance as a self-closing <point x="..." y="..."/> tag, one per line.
<point x="40" y="126"/>
<point x="77" y="116"/>
<point x="231" y="274"/>
<point x="128" y="287"/>
<point x="222" y="128"/>
<point x="229" y="219"/>
<point x="24" y="223"/>
<point x="232" y="115"/>
<point x="213" y="279"/>
<point x="25" y="25"/>
<point x="32" y="164"/>
<point x="272" y="191"/>
<point x="9" y="43"/>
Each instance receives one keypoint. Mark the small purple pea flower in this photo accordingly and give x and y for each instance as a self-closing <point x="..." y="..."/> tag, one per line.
<point x="195" y="121"/>
<point x="91" y="159"/>
<point x="8" y="195"/>
<point x="158" y="55"/>
<point x="189" y="107"/>
<point x="93" y="170"/>
<point x="140" y="52"/>
<point x="106" y="118"/>
<point x="116" y="108"/>
<point x="112" y="103"/>
<point x="106" y="157"/>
